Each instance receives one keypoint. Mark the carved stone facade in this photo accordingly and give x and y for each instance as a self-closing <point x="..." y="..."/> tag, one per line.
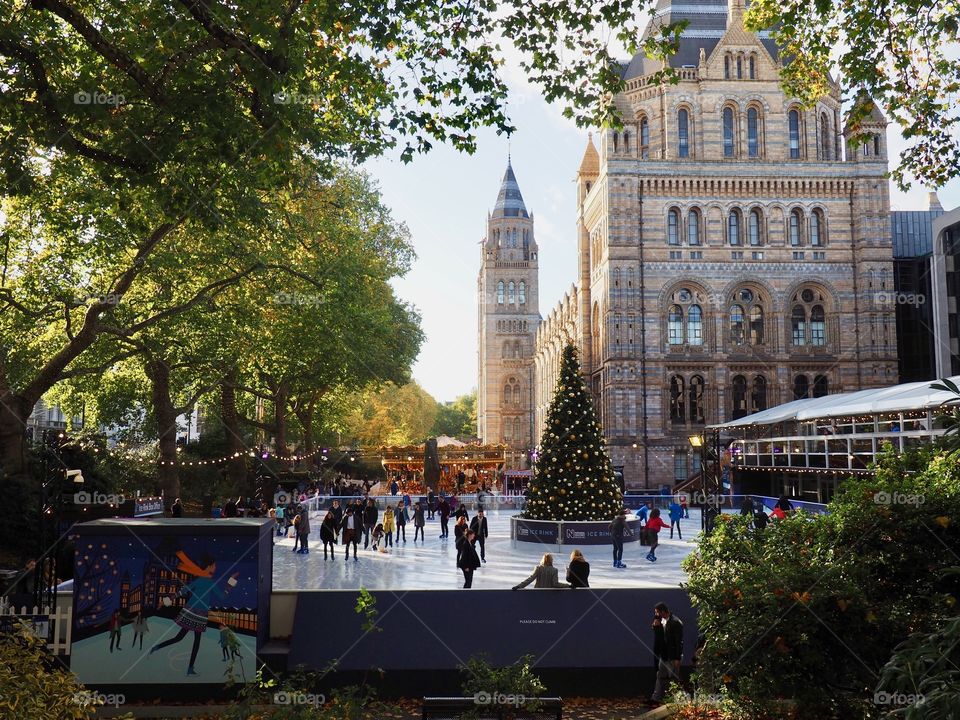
<point x="734" y="253"/>
<point x="509" y="314"/>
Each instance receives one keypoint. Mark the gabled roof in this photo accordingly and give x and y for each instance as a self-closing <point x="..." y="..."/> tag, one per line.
<point x="509" y="200"/>
<point x="590" y="164"/>
<point x="707" y="23"/>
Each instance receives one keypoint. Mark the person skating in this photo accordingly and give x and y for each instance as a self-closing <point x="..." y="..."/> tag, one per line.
<point x="618" y="528"/>
<point x="676" y="514"/>
<point x="479" y="526"/>
<point x="467" y="559"/>
<point x="388" y="527"/>
<point x="350" y="533"/>
<point x="400" y="518"/>
<point x="370" y="517"/>
<point x="654" y="525"/>
<point x="418" y="522"/>
<point x="462" y="512"/>
<point x="431" y="503"/>
<point x="459" y="530"/>
<point x="444" y="511"/>
<point x="115" y="627"/>
<point x="303" y="529"/>
<point x="328" y="533"/>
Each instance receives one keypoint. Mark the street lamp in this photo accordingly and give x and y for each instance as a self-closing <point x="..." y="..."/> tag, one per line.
<point x="698" y="442"/>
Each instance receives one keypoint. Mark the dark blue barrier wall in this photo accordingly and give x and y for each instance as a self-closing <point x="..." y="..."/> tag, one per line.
<point x="439" y="630"/>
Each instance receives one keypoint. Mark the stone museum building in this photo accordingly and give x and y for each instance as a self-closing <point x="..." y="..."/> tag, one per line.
<point x="734" y="253"/>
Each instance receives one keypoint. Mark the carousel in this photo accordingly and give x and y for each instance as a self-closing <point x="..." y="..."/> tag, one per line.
<point x="463" y="468"/>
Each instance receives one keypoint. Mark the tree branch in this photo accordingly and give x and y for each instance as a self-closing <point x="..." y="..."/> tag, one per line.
<point x="202" y="12"/>
<point x="99" y="369"/>
<point x="58" y="124"/>
<point x="117" y="57"/>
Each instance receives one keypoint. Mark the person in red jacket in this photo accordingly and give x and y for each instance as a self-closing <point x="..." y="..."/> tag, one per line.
<point x="778" y="513"/>
<point x="653" y="528"/>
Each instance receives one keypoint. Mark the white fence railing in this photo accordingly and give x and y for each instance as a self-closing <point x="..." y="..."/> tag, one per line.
<point x="53" y="626"/>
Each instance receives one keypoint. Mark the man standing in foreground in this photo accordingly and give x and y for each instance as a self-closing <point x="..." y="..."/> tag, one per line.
<point x="669" y="668"/>
<point x="479" y="527"/>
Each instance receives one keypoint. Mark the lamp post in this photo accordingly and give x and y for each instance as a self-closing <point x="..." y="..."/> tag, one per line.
<point x="698" y="443"/>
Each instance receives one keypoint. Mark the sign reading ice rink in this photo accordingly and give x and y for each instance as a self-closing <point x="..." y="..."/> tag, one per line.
<point x="558" y="532"/>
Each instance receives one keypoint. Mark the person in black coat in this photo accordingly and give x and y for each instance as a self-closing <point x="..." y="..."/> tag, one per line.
<point x="468" y="560"/>
<point x="444" y="510"/>
<point x="578" y="571"/>
<point x="370" y="517"/>
<point x="479" y="527"/>
<point x="328" y="533"/>
<point x="418" y="522"/>
<point x="431" y="504"/>
<point x="617" y="530"/>
<point x="337" y="512"/>
<point x="462" y="512"/>
<point x="785" y="505"/>
<point x="459" y="530"/>
<point x="669" y="668"/>
<point x="176" y="510"/>
<point x="400" y="521"/>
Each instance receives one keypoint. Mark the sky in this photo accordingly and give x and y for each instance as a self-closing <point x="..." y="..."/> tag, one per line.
<point x="444" y="198"/>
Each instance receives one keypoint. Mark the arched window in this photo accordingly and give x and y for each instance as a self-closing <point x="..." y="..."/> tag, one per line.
<point x="615" y="289"/>
<point x="794" y="228"/>
<point x="816" y="229"/>
<point x="693" y="227"/>
<point x="677" y="400"/>
<point x="753" y="132"/>
<point x="728" y="132"/>
<point x="514" y="243"/>
<point x="500" y="293"/>
<point x="522" y="292"/>
<point x="683" y="133"/>
<point x="675" y="325"/>
<point x="678" y="415"/>
<point x="753" y="67"/>
<point x="507" y="430"/>
<point x="673" y="227"/>
<point x="626" y="141"/>
<point x="616" y="138"/>
<point x="798" y="325"/>
<point x="726" y="67"/>
<point x="758" y="397"/>
<point x="821" y="386"/>
<point x="694" y="325"/>
<point x="696" y="399"/>
<point x="826" y="140"/>
<point x="511" y="293"/>
<point x="793" y="120"/>
<point x="739" y="388"/>
<point x="516" y="394"/>
<point x="518" y="430"/>
<point x="736" y="325"/>
<point x="818" y="326"/>
<point x="756" y="325"/>
<point x="644" y="138"/>
<point x="801" y="387"/>
<point x="733" y="228"/>
<point x="739" y="67"/>
<point x="876" y="144"/>
<point x="507" y="393"/>
<point x="753" y="229"/>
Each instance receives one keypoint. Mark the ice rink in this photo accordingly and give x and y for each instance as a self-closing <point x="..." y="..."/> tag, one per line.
<point x="431" y="565"/>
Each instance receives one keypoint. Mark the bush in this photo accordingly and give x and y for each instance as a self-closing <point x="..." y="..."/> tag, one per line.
<point x="811" y="608"/>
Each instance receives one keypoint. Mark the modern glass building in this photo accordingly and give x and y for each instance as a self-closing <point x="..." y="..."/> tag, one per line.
<point x="945" y="265"/>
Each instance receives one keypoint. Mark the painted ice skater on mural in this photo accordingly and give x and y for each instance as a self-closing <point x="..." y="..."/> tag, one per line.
<point x="199" y="593"/>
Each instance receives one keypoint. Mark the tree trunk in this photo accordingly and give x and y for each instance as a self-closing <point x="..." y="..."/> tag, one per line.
<point x="305" y="415"/>
<point x="236" y="466"/>
<point x="280" y="421"/>
<point x="165" y="414"/>
<point x="14" y="460"/>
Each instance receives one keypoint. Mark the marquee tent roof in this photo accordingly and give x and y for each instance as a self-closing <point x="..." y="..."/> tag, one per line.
<point x="899" y="398"/>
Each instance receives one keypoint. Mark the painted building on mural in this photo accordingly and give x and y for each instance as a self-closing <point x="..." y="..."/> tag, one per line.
<point x="734" y="253"/>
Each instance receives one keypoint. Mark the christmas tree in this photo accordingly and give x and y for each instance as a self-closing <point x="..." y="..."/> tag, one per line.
<point x="574" y="478"/>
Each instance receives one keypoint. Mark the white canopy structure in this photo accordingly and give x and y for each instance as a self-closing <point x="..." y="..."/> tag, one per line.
<point x="909" y="397"/>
